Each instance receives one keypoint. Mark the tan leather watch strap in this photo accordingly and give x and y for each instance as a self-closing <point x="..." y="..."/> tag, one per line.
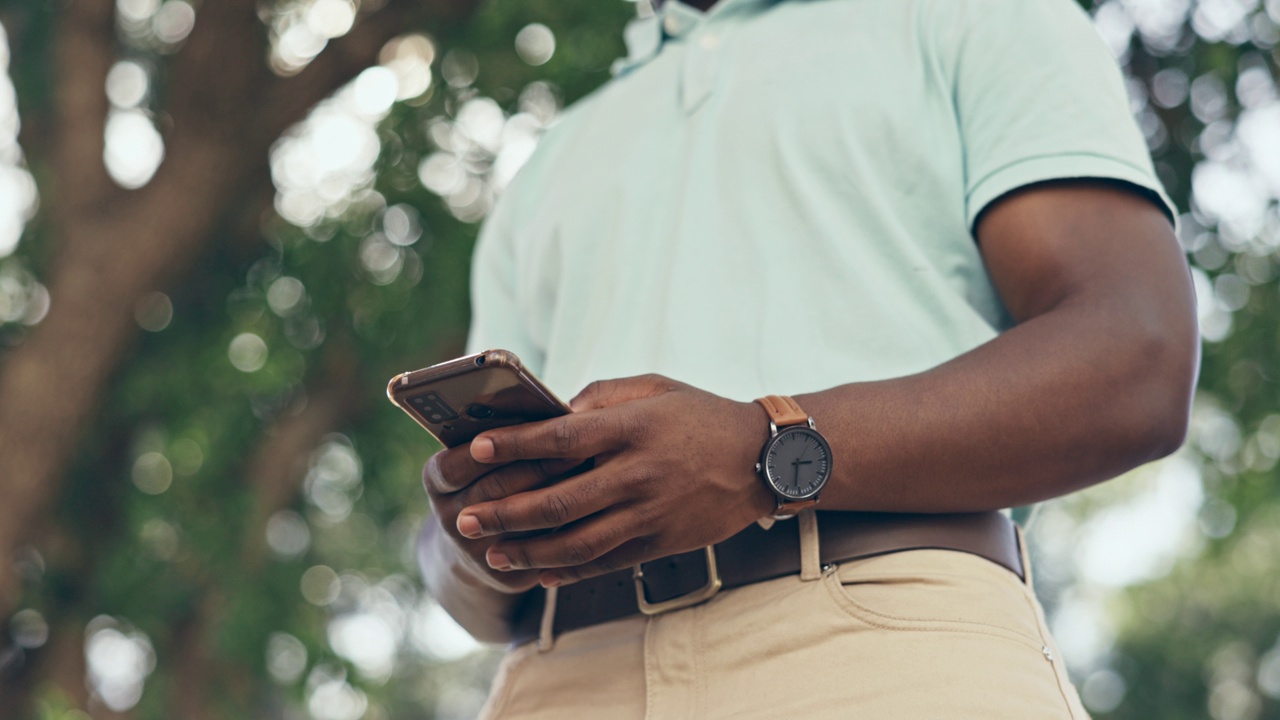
<point x="788" y="510"/>
<point x="783" y="410"/>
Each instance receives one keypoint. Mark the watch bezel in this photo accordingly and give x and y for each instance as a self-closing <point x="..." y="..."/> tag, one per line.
<point x="773" y="442"/>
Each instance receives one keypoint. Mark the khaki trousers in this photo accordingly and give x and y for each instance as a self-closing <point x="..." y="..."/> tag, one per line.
<point x="912" y="635"/>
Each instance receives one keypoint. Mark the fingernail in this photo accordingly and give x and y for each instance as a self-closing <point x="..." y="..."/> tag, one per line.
<point x="469" y="526"/>
<point x="482" y="449"/>
<point x="550" y="582"/>
<point x="498" y="561"/>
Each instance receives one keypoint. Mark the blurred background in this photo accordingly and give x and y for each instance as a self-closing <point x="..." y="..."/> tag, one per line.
<point x="224" y="224"/>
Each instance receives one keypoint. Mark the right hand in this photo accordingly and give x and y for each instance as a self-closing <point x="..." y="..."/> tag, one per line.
<point x="454" y="480"/>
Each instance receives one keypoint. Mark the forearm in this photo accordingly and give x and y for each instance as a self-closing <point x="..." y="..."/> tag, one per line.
<point x="1094" y="379"/>
<point x="479" y="607"/>
<point x="1067" y="399"/>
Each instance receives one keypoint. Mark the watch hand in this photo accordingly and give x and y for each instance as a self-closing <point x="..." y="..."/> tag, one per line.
<point x="803" y="462"/>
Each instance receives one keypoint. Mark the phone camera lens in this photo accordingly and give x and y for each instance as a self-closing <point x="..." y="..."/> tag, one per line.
<point x="480" y="412"/>
<point x="432" y="408"/>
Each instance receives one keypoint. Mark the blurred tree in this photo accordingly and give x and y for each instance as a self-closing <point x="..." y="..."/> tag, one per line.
<point x="1204" y="640"/>
<point x="197" y="350"/>
<point x="224" y="107"/>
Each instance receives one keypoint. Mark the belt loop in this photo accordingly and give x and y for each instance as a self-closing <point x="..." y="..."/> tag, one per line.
<point x="810" y="553"/>
<point x="546" y="631"/>
<point x="1023" y="551"/>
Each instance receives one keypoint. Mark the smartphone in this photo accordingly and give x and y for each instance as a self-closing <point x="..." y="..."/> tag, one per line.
<point x="459" y="399"/>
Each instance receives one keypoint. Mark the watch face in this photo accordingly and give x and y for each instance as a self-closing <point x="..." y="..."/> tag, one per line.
<point x="797" y="463"/>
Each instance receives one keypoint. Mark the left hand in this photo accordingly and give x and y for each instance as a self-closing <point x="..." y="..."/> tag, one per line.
<point x="674" y="471"/>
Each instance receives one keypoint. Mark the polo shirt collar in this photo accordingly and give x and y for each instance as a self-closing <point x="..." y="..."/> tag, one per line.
<point x="657" y="21"/>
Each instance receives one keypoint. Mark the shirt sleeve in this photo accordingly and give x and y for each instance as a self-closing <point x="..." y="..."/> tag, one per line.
<point x="1039" y="97"/>
<point x="497" y="318"/>
<point x="481" y="609"/>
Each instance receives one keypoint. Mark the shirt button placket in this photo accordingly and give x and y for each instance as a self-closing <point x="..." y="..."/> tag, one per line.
<point x="701" y="66"/>
<point x="672" y="25"/>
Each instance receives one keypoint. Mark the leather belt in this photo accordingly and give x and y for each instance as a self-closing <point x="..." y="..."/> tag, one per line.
<point x="755" y="555"/>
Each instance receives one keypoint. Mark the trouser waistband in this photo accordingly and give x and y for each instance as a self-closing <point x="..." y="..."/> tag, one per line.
<point x="755" y="555"/>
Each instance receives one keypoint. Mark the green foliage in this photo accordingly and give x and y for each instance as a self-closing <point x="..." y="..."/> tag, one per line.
<point x="1195" y="643"/>
<point x="152" y="529"/>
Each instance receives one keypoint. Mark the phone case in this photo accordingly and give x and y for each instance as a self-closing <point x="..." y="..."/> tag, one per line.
<point x="458" y="399"/>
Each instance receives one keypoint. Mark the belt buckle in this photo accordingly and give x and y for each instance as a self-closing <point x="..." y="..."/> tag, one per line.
<point x="702" y="594"/>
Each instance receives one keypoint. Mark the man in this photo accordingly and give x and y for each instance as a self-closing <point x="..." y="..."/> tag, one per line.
<point x="934" y="224"/>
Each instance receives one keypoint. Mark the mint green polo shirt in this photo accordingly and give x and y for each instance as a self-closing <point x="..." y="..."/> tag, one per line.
<point x="779" y="196"/>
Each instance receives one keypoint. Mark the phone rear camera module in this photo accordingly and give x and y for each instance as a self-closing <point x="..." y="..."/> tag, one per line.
<point x="432" y="407"/>
<point x="480" y="412"/>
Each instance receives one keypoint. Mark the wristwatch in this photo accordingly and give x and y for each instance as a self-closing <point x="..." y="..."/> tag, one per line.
<point x="796" y="460"/>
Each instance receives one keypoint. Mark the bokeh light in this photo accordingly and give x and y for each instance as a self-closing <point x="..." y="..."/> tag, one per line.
<point x="28" y="629"/>
<point x="174" y="21"/>
<point x="119" y="659"/>
<point x="153" y="311"/>
<point x="286" y="658"/>
<point x="288" y="534"/>
<point x="437" y="635"/>
<point x="1103" y="690"/>
<point x="152" y="473"/>
<point x="285" y="295"/>
<point x="331" y="697"/>
<point x="18" y="194"/>
<point x="133" y="149"/>
<point x="248" y="352"/>
<point x="23" y="299"/>
<point x="1139" y="539"/>
<point x="460" y="68"/>
<point x="300" y="30"/>
<point x="410" y="58"/>
<point x="127" y="84"/>
<point x="482" y="149"/>
<point x="1269" y="672"/>
<point x="187" y="456"/>
<point x="330" y="18"/>
<point x="535" y="43"/>
<point x="333" y="481"/>
<point x="320" y="585"/>
<point x="375" y="90"/>
<point x="137" y="10"/>
<point x="160" y="538"/>
<point x="368" y="640"/>
<point x="381" y="259"/>
<point x="402" y="225"/>
<point x="321" y="164"/>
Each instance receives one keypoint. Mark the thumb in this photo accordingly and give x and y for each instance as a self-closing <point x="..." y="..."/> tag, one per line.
<point x="606" y="393"/>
